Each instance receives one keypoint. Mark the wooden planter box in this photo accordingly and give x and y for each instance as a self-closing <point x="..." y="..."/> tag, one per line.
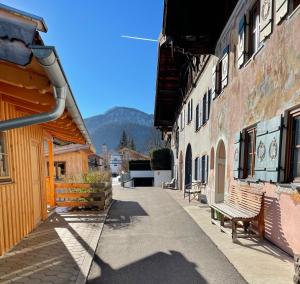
<point x="83" y="195"/>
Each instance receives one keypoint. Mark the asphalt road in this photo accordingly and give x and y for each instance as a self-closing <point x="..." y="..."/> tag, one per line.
<point x="149" y="238"/>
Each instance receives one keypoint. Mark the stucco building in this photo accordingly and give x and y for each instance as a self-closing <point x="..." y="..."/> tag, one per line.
<point x="228" y="99"/>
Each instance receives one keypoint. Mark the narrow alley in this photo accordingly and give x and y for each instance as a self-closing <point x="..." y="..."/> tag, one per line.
<point x="149" y="238"/>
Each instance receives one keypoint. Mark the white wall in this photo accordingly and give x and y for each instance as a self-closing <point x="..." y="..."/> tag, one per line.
<point x="199" y="140"/>
<point x="162" y="176"/>
<point x="141" y="174"/>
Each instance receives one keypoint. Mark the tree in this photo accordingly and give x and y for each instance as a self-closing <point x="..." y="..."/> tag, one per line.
<point x="123" y="140"/>
<point x="155" y="141"/>
<point x="161" y="159"/>
<point x="131" y="144"/>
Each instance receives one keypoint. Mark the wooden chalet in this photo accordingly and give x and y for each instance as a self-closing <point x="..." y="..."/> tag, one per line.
<point x="71" y="160"/>
<point x="36" y="107"/>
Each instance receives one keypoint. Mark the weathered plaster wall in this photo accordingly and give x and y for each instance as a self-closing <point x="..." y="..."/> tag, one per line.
<point x="268" y="85"/>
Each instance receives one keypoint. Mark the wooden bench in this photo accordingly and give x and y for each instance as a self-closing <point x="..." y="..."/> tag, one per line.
<point x="194" y="188"/>
<point x="244" y="204"/>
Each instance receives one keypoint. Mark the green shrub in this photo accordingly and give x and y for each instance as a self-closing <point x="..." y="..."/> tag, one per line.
<point x="90" y="177"/>
<point x="161" y="159"/>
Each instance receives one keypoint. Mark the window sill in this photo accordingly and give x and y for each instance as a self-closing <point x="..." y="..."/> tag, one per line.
<point x="6" y="181"/>
<point x="248" y="180"/>
<point x="293" y="13"/>
<point x="252" y="58"/>
<point x="203" y="125"/>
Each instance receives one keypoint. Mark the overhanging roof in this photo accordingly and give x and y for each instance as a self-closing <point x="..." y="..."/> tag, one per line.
<point x="18" y="34"/>
<point x="193" y="27"/>
<point x="196" y="25"/>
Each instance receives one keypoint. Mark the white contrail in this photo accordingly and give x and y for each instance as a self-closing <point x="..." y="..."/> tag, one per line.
<point x="139" y="38"/>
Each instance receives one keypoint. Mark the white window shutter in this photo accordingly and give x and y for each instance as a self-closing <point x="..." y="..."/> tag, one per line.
<point x="225" y="68"/>
<point x="281" y="7"/>
<point x="266" y="9"/>
<point x="242" y="42"/>
<point x="213" y="81"/>
<point x="200" y="177"/>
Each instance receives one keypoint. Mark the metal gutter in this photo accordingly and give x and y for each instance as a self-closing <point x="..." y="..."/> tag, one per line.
<point x="41" y="25"/>
<point x="47" y="57"/>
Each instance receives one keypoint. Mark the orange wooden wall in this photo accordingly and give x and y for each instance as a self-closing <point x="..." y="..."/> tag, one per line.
<point x="16" y="197"/>
<point x="76" y="162"/>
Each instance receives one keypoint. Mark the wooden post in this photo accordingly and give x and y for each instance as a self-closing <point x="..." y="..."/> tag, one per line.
<point x="51" y="173"/>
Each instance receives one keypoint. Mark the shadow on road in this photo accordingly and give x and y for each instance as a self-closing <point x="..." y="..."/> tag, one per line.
<point x="124" y="214"/>
<point x="158" y="268"/>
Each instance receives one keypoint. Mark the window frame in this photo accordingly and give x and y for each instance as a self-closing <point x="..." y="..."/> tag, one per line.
<point x="218" y="83"/>
<point x="6" y="161"/>
<point x="197" y="113"/>
<point x="295" y="4"/>
<point x="246" y="152"/>
<point x="56" y="166"/>
<point x="254" y="26"/>
<point x="289" y="161"/>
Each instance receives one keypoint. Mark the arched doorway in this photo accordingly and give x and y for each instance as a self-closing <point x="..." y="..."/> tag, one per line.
<point x="220" y="172"/>
<point x="188" y="165"/>
<point x="180" y="174"/>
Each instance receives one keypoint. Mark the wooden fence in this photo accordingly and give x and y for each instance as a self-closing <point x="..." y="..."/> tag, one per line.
<point x="83" y="194"/>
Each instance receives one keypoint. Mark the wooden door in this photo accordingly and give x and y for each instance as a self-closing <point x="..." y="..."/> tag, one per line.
<point x="36" y="181"/>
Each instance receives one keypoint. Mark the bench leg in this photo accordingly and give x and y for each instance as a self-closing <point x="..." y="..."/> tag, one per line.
<point x="234" y="236"/>
<point x="222" y="220"/>
<point x="246" y="225"/>
<point x="212" y="215"/>
<point x="189" y="197"/>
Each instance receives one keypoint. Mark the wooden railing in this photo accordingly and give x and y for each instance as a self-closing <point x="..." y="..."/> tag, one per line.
<point x="83" y="194"/>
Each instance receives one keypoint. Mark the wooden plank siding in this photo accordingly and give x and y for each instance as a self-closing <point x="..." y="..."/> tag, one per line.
<point x="16" y="196"/>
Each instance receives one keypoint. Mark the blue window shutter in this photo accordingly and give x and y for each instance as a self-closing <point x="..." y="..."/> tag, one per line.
<point x="261" y="150"/>
<point x="237" y="169"/>
<point x="203" y="169"/>
<point x="206" y="168"/>
<point x="208" y="104"/>
<point x="274" y="149"/>
<point x="197" y="117"/>
<point x="196" y="169"/>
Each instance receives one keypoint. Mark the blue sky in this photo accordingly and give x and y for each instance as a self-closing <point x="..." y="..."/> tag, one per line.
<point x="104" y="70"/>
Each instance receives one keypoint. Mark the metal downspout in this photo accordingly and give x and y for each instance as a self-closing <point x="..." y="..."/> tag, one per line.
<point x="47" y="58"/>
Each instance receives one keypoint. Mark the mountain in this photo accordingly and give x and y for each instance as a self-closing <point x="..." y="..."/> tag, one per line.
<point x="107" y="128"/>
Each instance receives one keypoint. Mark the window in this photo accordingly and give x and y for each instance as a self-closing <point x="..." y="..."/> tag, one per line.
<point x="197" y="118"/>
<point x="60" y="170"/>
<point x="218" y="78"/>
<point x="296" y="148"/>
<point x="201" y="169"/>
<point x="4" y="172"/>
<point x="293" y="147"/>
<point x="204" y="107"/>
<point x="250" y="138"/>
<point x="296" y="3"/>
<point x="181" y="122"/>
<point x="190" y="111"/>
<point x="254" y="29"/>
<point x="196" y="169"/>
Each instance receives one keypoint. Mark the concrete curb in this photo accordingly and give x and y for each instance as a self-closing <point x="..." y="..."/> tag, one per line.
<point x="88" y="260"/>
